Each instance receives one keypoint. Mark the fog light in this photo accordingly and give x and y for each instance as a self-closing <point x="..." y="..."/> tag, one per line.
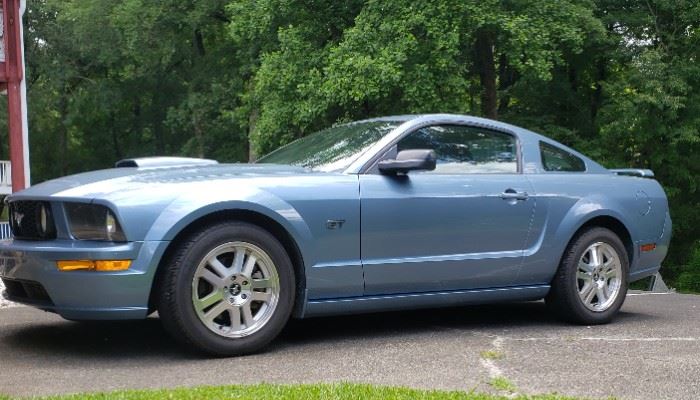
<point x="97" y="265"/>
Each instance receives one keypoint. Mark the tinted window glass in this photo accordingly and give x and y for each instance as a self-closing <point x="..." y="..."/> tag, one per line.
<point x="465" y="149"/>
<point x="556" y="159"/>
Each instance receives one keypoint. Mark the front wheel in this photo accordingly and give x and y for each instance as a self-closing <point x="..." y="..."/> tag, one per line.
<point x="228" y="290"/>
<point x="591" y="282"/>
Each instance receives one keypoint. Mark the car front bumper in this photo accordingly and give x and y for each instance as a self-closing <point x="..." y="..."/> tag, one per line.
<point x="28" y="269"/>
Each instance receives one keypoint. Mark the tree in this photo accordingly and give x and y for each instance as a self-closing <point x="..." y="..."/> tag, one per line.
<point x="651" y="117"/>
<point x="231" y="79"/>
<point x="401" y="56"/>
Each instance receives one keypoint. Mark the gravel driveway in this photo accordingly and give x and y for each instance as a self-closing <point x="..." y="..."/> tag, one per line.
<point x="650" y="352"/>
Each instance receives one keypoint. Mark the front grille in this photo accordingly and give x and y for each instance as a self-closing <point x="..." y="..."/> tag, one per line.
<point x="26" y="291"/>
<point x="32" y="220"/>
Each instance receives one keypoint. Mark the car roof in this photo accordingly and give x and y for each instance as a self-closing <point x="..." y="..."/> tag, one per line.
<point x="411" y="121"/>
<point x="438" y="117"/>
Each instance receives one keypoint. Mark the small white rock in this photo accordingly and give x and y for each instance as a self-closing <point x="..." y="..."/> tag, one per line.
<point x="4" y="303"/>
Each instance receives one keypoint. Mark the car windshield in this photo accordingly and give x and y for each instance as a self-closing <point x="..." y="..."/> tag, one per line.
<point x="332" y="149"/>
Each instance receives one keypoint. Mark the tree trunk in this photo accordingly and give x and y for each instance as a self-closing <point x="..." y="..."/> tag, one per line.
<point x="486" y="67"/>
<point x="252" y="121"/>
<point x="63" y="134"/>
<point x="368" y="108"/>
<point x="597" y="97"/>
<point x="506" y="79"/>
<point x="115" y="138"/>
<point x="158" y="116"/>
<point x="198" y="134"/>
<point x="199" y="43"/>
<point x="158" y="133"/>
<point x="572" y="74"/>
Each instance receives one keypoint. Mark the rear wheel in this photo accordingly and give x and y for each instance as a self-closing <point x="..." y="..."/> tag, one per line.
<point x="591" y="282"/>
<point x="228" y="289"/>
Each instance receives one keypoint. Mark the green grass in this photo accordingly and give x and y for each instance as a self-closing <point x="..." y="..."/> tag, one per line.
<point x="340" y="391"/>
<point x="492" y="355"/>
<point x="503" y="384"/>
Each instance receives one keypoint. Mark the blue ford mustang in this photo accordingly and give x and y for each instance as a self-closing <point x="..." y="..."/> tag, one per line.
<point x="384" y="214"/>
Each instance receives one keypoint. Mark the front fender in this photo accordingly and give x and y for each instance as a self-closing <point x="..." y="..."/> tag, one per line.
<point x="195" y="204"/>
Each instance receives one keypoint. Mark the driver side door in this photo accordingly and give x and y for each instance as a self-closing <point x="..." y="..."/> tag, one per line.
<point x="461" y="226"/>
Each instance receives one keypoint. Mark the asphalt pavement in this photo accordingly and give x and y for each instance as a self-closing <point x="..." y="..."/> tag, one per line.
<point x="652" y="351"/>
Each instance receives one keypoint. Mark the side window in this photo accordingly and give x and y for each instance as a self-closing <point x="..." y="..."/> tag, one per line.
<point x="556" y="159"/>
<point x="465" y="149"/>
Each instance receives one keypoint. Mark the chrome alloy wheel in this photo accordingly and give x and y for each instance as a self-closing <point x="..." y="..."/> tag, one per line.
<point x="235" y="289"/>
<point x="599" y="276"/>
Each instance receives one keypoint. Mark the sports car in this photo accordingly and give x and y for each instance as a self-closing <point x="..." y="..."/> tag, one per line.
<point x="392" y="213"/>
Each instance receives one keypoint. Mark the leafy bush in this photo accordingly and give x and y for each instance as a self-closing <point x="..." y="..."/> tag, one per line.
<point x="689" y="279"/>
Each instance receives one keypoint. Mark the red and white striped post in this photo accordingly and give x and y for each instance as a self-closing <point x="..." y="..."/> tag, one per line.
<point x="12" y="79"/>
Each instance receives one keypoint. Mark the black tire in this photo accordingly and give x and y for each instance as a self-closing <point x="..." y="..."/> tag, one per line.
<point x="564" y="300"/>
<point x="174" y="291"/>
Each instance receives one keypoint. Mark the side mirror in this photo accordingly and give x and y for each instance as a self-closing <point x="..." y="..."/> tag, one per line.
<point x="409" y="160"/>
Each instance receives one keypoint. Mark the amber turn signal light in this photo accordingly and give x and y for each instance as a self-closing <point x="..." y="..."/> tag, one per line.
<point x="96" y="265"/>
<point x="648" y="247"/>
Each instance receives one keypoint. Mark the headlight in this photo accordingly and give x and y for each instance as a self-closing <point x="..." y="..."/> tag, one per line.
<point x="43" y="220"/>
<point x="93" y="222"/>
<point x="32" y="220"/>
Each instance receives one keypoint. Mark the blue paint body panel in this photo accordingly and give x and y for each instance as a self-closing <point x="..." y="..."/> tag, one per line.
<point x="421" y="240"/>
<point x="424" y="233"/>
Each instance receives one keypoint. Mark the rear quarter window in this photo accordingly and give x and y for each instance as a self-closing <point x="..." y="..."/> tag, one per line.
<point x="560" y="160"/>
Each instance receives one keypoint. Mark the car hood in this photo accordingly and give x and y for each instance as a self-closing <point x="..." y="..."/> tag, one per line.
<point x="118" y="183"/>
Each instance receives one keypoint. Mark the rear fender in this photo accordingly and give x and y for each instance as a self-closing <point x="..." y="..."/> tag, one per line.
<point x="584" y="211"/>
<point x="542" y="261"/>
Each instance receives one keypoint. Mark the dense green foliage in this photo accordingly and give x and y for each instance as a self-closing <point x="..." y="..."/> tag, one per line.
<point x="231" y="79"/>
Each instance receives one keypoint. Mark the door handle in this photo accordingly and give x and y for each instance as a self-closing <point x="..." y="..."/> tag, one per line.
<point x="512" y="194"/>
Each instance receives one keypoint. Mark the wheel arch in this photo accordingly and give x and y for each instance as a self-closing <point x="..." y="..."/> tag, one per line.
<point x="612" y="223"/>
<point x="564" y="295"/>
<point x="241" y="215"/>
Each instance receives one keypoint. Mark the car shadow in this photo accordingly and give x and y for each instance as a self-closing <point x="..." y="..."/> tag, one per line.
<point x="418" y="321"/>
<point x="61" y="340"/>
<point x="493" y="317"/>
<point x="146" y="340"/>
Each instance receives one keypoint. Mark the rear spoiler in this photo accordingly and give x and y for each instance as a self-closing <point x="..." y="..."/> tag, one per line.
<point x="642" y="173"/>
<point x="154" y="162"/>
